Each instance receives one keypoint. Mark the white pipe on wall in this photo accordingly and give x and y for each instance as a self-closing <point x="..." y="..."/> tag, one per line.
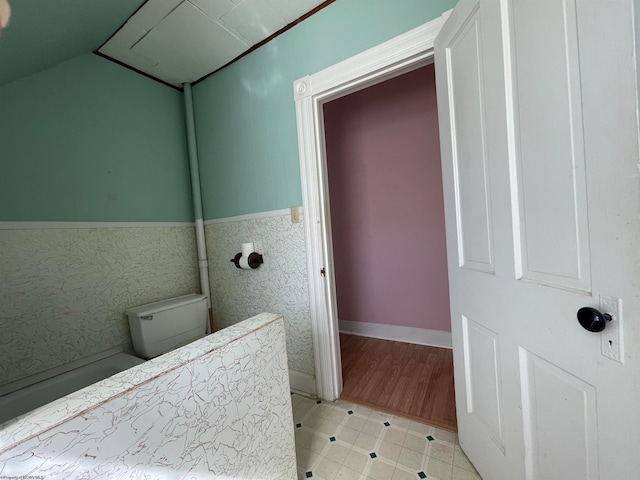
<point x="192" y="148"/>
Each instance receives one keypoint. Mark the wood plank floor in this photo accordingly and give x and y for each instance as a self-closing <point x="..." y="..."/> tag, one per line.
<point x="412" y="381"/>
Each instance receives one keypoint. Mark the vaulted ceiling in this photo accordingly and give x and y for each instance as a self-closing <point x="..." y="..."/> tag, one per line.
<point x="174" y="41"/>
<point x="42" y="33"/>
<point x="180" y="41"/>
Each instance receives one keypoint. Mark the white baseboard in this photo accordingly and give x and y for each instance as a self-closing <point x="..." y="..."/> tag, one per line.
<point x="302" y="382"/>
<point x="420" y="336"/>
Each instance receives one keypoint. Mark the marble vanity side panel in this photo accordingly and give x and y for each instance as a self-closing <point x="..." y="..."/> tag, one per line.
<point x="280" y="285"/>
<point x="41" y="419"/>
<point x="64" y="291"/>
<point x="225" y="414"/>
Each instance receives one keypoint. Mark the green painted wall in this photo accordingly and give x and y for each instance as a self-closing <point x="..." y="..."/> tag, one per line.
<point x="245" y="114"/>
<point x="89" y="140"/>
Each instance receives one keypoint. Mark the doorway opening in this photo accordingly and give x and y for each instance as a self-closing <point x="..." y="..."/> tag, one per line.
<point x="400" y="55"/>
<point x="389" y="248"/>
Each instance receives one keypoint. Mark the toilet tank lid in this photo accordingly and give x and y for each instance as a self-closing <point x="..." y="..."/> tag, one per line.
<point x="155" y="307"/>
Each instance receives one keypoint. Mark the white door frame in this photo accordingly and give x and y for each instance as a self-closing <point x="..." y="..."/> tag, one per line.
<point x="399" y="55"/>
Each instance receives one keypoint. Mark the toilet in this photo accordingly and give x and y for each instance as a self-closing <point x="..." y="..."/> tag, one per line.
<point x="160" y="327"/>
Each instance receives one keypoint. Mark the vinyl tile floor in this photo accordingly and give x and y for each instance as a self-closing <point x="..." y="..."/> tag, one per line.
<point x="345" y="441"/>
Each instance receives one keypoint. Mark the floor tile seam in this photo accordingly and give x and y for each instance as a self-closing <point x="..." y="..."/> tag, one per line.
<point x="339" y="462"/>
<point x="364" y="451"/>
<point x="378" y="455"/>
<point x="321" y="429"/>
<point x="397" y="427"/>
<point x="411" y="471"/>
<point x="357" y="410"/>
<point x="394" y="443"/>
<point x="306" y="428"/>
<point x="342" y="426"/>
<point x="351" y="470"/>
<point x="432" y="444"/>
<point x="401" y="441"/>
<point x="319" y="451"/>
<point x="326" y="444"/>
<point x="468" y="471"/>
<point x="394" y="460"/>
<point x="405" y="465"/>
<point x="316" y="425"/>
<point x="428" y="447"/>
<point x="419" y="434"/>
<point x="440" y="460"/>
<point x="384" y="426"/>
<point x="367" y="467"/>
<point x="358" y="413"/>
<point x="319" y="424"/>
<point x="303" y="406"/>
<point x="303" y="425"/>
<point x="392" y="428"/>
<point x="310" y="452"/>
<point x="341" y="443"/>
<point x="370" y="462"/>
<point x="324" y="414"/>
<point x="327" y="420"/>
<point x="306" y="417"/>
<point x="301" y="474"/>
<point x="323" y="458"/>
<point x="336" y="432"/>
<point x="317" y="461"/>
<point x="437" y="441"/>
<point x="427" y="458"/>
<point x="422" y="454"/>
<point x="463" y="467"/>
<point x="384" y="460"/>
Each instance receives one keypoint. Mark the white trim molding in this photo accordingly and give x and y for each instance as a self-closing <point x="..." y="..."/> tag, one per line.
<point x="252" y="216"/>
<point x="74" y="225"/>
<point x="399" y="55"/>
<point x="419" y="336"/>
<point x="302" y="383"/>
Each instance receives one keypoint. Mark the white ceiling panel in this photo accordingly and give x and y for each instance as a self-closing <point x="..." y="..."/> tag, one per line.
<point x="180" y="41"/>
<point x="215" y="9"/>
<point x="151" y="13"/>
<point x="119" y="47"/>
<point x="254" y="20"/>
<point x="292" y="10"/>
<point x="190" y="44"/>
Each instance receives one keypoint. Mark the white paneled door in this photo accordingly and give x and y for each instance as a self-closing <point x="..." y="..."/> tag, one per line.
<point x="539" y="135"/>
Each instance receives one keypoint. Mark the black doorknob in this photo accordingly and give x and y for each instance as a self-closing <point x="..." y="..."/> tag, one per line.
<point x="592" y="320"/>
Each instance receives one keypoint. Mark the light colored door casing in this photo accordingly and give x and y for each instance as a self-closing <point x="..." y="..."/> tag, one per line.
<point x="402" y="54"/>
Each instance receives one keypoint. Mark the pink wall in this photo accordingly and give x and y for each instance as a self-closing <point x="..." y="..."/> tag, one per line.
<point x="387" y="213"/>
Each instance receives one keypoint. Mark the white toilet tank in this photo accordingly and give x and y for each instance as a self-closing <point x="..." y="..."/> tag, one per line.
<point x="160" y="327"/>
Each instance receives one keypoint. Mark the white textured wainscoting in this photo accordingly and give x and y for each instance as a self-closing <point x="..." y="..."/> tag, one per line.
<point x="280" y="285"/>
<point x="420" y="336"/>
<point x="64" y="288"/>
